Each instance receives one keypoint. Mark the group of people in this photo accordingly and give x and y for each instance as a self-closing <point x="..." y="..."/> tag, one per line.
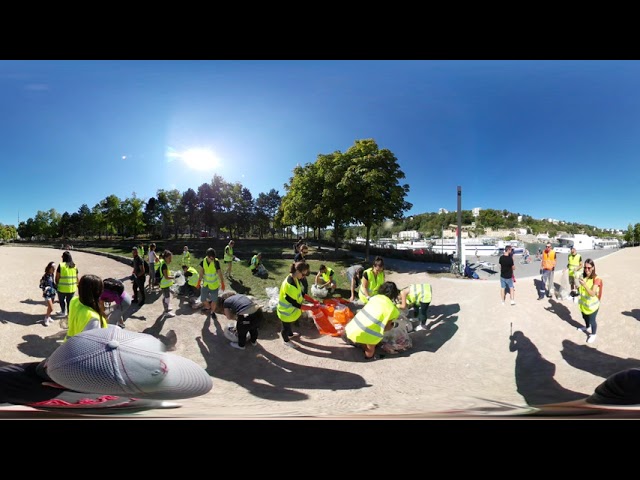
<point x="381" y="302"/>
<point x="586" y="286"/>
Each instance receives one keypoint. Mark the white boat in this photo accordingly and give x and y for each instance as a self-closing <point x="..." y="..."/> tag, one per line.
<point x="471" y="246"/>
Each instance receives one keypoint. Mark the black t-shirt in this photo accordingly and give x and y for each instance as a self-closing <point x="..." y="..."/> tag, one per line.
<point x="239" y="304"/>
<point x="506" y="266"/>
<point x="138" y="266"/>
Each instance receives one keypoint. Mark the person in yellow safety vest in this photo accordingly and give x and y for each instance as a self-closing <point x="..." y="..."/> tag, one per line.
<point x="67" y="281"/>
<point x="166" y="280"/>
<point x="192" y="277"/>
<point x="186" y="256"/>
<point x="211" y="282"/>
<point x="372" y="278"/>
<point x="85" y="310"/>
<point x="574" y="264"/>
<point x="291" y="301"/>
<point x="325" y="279"/>
<point x="367" y="328"/>
<point x="590" y="291"/>
<point x="229" y="257"/>
<point x="256" y="267"/>
<point x="548" y="267"/>
<point x="418" y="297"/>
<point x="141" y="250"/>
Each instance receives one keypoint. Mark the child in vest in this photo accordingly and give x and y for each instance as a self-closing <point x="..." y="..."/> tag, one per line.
<point x="48" y="287"/>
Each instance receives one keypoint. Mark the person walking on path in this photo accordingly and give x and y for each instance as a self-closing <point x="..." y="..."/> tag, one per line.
<point x="291" y="300"/>
<point x="48" y="287"/>
<point x="418" y="297"/>
<point x="548" y="268"/>
<point x="354" y="275"/>
<point x="229" y="257"/>
<point x="210" y="281"/>
<point x="138" y="277"/>
<point x="367" y="328"/>
<point x="247" y="314"/>
<point x="372" y="279"/>
<point x="67" y="282"/>
<point x="507" y="269"/>
<point x="153" y="261"/>
<point x="590" y="291"/>
<point x="574" y="264"/>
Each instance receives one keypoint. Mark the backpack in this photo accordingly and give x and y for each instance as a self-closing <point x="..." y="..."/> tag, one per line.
<point x="114" y="285"/>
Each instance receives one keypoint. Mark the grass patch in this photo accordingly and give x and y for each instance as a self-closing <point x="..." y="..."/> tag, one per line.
<point x="243" y="281"/>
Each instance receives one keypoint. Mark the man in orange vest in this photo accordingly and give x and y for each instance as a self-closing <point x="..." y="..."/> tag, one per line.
<point x="548" y="269"/>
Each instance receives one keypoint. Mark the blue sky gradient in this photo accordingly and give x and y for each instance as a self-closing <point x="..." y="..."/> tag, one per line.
<point x="550" y="139"/>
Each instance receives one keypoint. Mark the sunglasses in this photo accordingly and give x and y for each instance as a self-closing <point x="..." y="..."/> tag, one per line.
<point x="588" y="268"/>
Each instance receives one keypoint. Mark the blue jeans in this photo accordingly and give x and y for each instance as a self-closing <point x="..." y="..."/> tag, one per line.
<point x="547" y="282"/>
<point x="590" y="321"/>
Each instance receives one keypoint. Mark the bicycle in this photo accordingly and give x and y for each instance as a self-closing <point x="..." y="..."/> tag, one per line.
<point x="456" y="268"/>
<point x="526" y="260"/>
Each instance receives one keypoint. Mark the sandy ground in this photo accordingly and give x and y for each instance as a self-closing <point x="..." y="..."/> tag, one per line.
<point x="465" y="358"/>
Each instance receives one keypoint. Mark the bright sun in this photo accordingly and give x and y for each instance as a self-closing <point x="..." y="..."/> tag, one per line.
<point x="200" y="159"/>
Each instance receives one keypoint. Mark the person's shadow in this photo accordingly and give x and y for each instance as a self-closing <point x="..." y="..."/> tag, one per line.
<point x="635" y="314"/>
<point x="441" y="327"/>
<point x="563" y="312"/>
<point x="534" y="374"/>
<point x="238" y="287"/>
<point x="20" y="318"/>
<point x="595" y="361"/>
<point x="264" y="374"/>
<point x="41" y="347"/>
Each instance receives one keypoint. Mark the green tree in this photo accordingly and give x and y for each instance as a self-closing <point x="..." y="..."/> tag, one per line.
<point x="375" y="193"/>
<point x="267" y="205"/>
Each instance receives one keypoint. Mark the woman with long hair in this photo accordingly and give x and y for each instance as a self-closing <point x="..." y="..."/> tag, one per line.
<point x="590" y="291"/>
<point x="67" y="282"/>
<point x="291" y="300"/>
<point x="86" y="312"/>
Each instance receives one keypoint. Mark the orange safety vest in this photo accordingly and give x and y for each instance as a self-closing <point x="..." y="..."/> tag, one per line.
<point x="548" y="259"/>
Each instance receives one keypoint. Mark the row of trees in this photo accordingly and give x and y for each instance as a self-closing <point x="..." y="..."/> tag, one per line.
<point x="7" y="232"/>
<point x="357" y="186"/>
<point x="215" y="207"/>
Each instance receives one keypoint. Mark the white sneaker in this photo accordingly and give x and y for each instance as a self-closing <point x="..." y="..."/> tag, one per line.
<point x="513" y="302"/>
<point x="290" y="345"/>
<point x="503" y="302"/>
<point x="236" y="345"/>
<point x="170" y="313"/>
<point x="421" y="327"/>
<point x="584" y="329"/>
<point x="47" y="321"/>
<point x="591" y="338"/>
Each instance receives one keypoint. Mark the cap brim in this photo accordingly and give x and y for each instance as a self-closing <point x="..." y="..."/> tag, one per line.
<point x="186" y="379"/>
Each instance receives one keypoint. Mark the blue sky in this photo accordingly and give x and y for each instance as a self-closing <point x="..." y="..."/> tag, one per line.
<point x="551" y="139"/>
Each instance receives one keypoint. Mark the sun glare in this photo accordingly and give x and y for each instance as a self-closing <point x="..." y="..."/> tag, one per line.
<point x="200" y="159"/>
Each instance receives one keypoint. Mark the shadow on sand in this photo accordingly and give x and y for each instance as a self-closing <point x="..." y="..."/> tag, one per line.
<point x="265" y="375"/>
<point x="534" y="374"/>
